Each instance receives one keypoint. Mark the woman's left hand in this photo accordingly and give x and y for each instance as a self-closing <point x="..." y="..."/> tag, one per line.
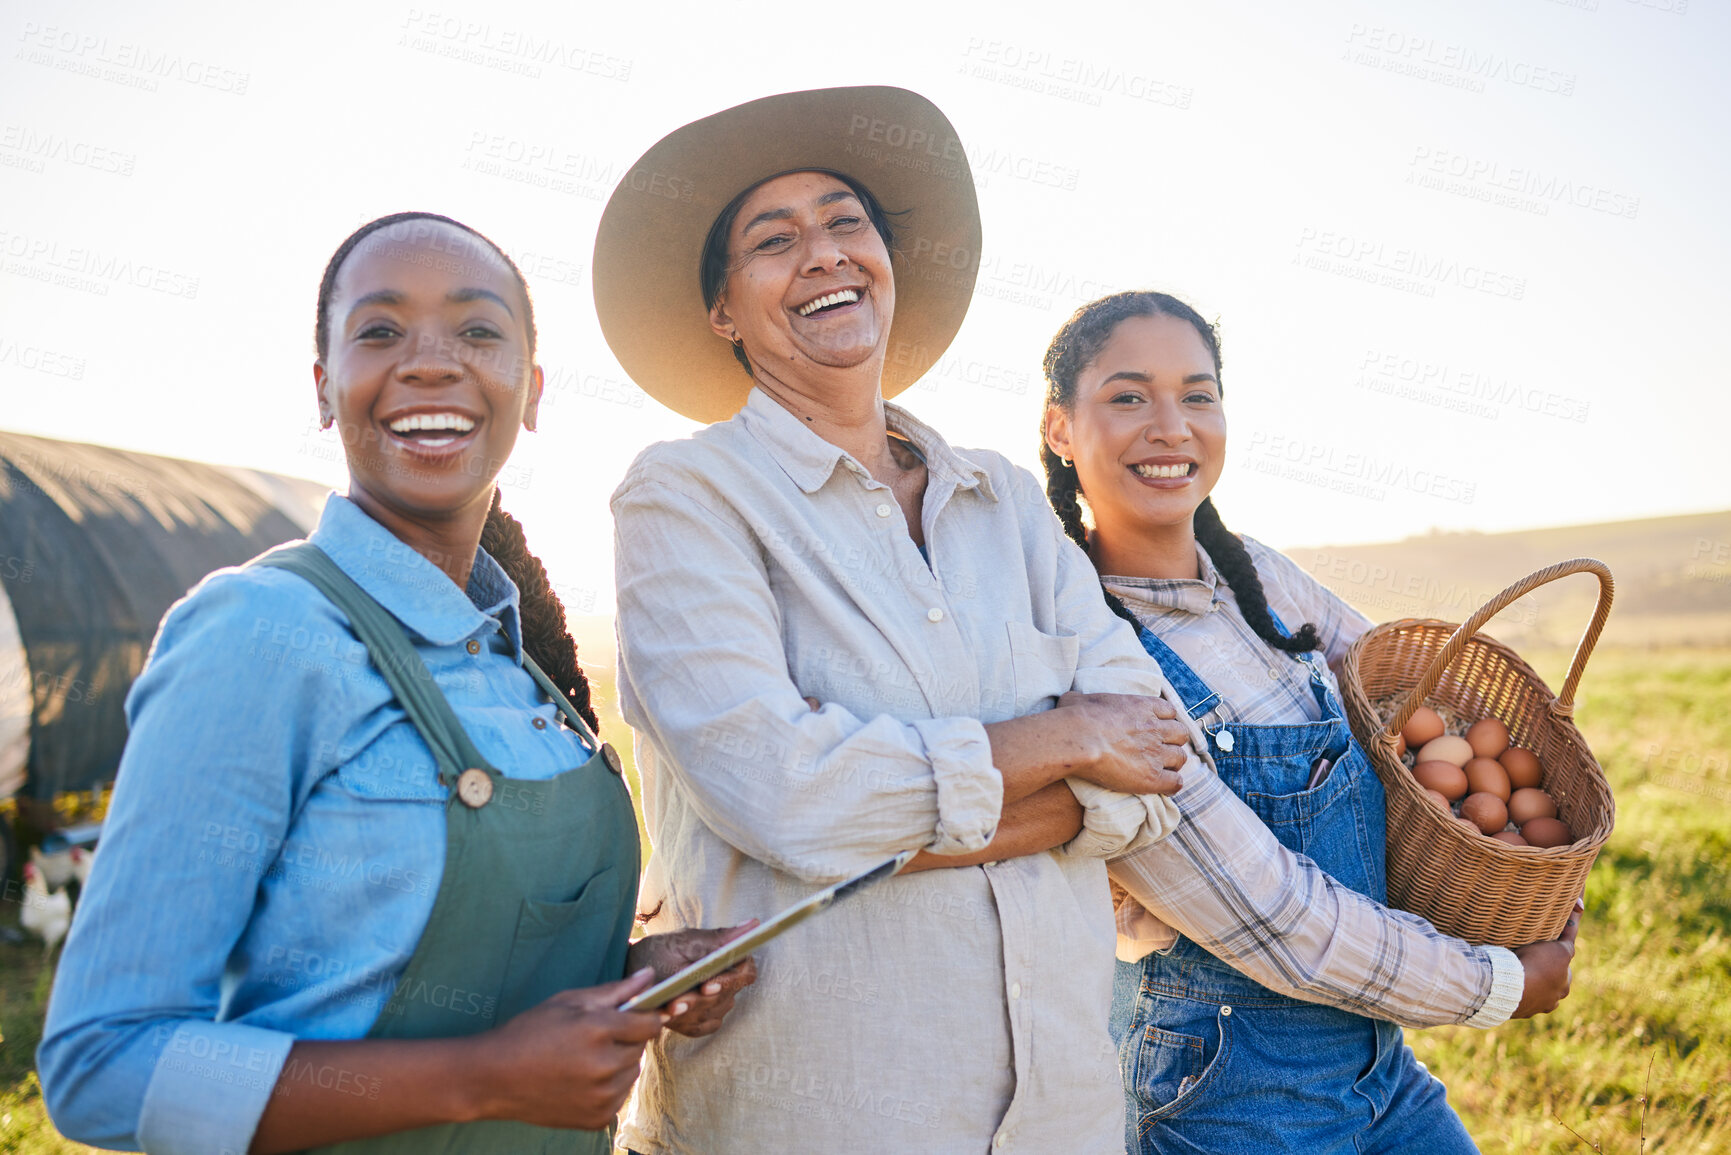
<point x="698" y="1012"/>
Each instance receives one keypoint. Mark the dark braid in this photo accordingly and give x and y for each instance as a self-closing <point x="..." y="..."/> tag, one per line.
<point x="1075" y="346"/>
<point x="1226" y="550"/>
<point x="1062" y="490"/>
<point x="545" y="635"/>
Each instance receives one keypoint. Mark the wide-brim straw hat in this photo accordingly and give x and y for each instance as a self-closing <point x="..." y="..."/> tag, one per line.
<point x="650" y="242"/>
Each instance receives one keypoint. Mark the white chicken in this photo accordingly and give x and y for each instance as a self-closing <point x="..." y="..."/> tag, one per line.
<point x="56" y="870"/>
<point x="45" y="915"/>
<point x="82" y="861"/>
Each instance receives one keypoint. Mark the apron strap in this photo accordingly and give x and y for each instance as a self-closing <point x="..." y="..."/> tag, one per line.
<point x="1198" y="696"/>
<point x="393" y="655"/>
<point x="561" y="701"/>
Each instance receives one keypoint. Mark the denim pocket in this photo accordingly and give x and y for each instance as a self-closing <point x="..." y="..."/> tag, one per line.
<point x="1338" y="825"/>
<point x="1300" y="806"/>
<point x="1168" y="1071"/>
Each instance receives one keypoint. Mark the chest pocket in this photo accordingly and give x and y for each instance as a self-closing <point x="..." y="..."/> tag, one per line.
<point x="396" y="765"/>
<point x="1042" y="665"/>
<point x="1340" y="824"/>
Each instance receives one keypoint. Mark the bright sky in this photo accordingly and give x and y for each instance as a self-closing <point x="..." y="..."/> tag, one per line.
<point x="1469" y="257"/>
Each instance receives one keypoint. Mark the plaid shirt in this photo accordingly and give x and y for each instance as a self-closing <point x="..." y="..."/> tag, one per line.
<point x="1223" y="881"/>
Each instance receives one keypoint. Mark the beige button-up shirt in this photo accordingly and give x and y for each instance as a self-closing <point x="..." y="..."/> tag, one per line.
<point x="954" y="1010"/>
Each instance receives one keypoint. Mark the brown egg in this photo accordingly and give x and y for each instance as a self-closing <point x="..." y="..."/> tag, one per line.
<point x="1447" y="748"/>
<point x="1512" y="837"/>
<point x="1445" y="778"/>
<point x="1485" y="811"/>
<point x="1529" y="803"/>
<point x="1522" y="765"/>
<point x="1546" y="832"/>
<point x="1488" y="737"/>
<point x="1442" y="803"/>
<point x="1424" y="725"/>
<point x="1399" y="745"/>
<point x="1488" y="775"/>
<point x="1470" y="825"/>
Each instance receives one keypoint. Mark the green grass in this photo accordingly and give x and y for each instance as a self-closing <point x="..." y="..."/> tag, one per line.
<point x="1652" y="979"/>
<point x="24" y="1125"/>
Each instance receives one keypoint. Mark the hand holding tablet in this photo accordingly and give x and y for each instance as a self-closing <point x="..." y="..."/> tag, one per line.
<point x="739" y="948"/>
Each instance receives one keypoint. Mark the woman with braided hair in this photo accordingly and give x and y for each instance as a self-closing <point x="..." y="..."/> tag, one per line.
<point x="368" y="877"/>
<point x="1221" y="1041"/>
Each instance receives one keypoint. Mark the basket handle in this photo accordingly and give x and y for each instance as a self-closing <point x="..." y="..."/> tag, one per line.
<point x="1565" y="702"/>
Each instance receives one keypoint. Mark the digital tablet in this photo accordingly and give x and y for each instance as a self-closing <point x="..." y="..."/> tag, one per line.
<point x="730" y="953"/>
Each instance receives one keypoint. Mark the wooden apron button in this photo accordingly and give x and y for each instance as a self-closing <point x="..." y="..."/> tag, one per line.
<point x="474" y="788"/>
<point x="612" y="757"/>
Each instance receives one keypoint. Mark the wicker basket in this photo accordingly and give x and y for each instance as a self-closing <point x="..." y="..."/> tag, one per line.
<point x="1479" y="888"/>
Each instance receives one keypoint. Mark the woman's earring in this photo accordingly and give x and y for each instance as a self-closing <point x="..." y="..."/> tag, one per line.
<point x="1068" y="464"/>
<point x="326" y="421"/>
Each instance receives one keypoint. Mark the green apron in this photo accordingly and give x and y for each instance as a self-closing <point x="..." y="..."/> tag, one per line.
<point x="539" y="887"/>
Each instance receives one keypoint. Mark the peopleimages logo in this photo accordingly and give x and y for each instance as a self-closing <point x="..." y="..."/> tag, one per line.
<point x="88" y="269"/>
<point x="1453" y="65"/>
<point x="1513" y="186"/>
<point x="135" y="65"/>
<point x="1399" y="266"/>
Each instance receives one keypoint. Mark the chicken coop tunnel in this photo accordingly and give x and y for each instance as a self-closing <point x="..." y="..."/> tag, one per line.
<point x="95" y="545"/>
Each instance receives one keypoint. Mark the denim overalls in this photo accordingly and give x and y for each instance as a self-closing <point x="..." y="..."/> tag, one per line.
<point x="1215" y="1062"/>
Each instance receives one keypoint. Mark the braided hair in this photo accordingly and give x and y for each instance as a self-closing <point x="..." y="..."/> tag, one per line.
<point x="1076" y="345"/>
<point x="545" y="636"/>
<point x="554" y="650"/>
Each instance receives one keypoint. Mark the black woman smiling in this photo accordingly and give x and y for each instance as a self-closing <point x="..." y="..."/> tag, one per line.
<point x="368" y="877"/>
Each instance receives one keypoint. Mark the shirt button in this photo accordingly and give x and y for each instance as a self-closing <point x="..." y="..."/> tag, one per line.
<point x="998" y="1141"/>
<point x="1273" y="673"/>
<point x="474" y="646"/>
<point x="1015" y="990"/>
<point x="934" y="614"/>
<point x="885" y="509"/>
<point x="539" y="723"/>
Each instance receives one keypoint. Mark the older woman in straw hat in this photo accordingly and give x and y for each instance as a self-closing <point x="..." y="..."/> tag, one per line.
<point x="841" y="638"/>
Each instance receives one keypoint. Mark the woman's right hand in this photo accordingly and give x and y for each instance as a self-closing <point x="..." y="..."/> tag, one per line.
<point x="1135" y="744"/>
<point x="571" y="1061"/>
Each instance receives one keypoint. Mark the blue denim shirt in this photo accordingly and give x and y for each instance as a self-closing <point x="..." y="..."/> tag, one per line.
<point x="275" y="840"/>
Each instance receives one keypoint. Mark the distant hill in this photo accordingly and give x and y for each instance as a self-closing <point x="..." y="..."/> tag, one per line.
<point x="1673" y="579"/>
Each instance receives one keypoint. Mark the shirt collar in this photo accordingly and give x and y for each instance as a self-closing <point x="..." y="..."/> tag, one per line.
<point x="415" y="591"/>
<point x="1195" y="595"/>
<point x="810" y="460"/>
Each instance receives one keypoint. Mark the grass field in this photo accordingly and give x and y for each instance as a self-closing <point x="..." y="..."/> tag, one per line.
<point x="1652" y="979"/>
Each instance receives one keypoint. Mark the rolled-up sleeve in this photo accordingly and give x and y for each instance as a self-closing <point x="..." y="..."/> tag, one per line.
<point x="180" y="1114"/>
<point x="818" y="794"/>
<point x="1226" y="883"/>
<point x="1111" y="660"/>
<point x="131" y="1053"/>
